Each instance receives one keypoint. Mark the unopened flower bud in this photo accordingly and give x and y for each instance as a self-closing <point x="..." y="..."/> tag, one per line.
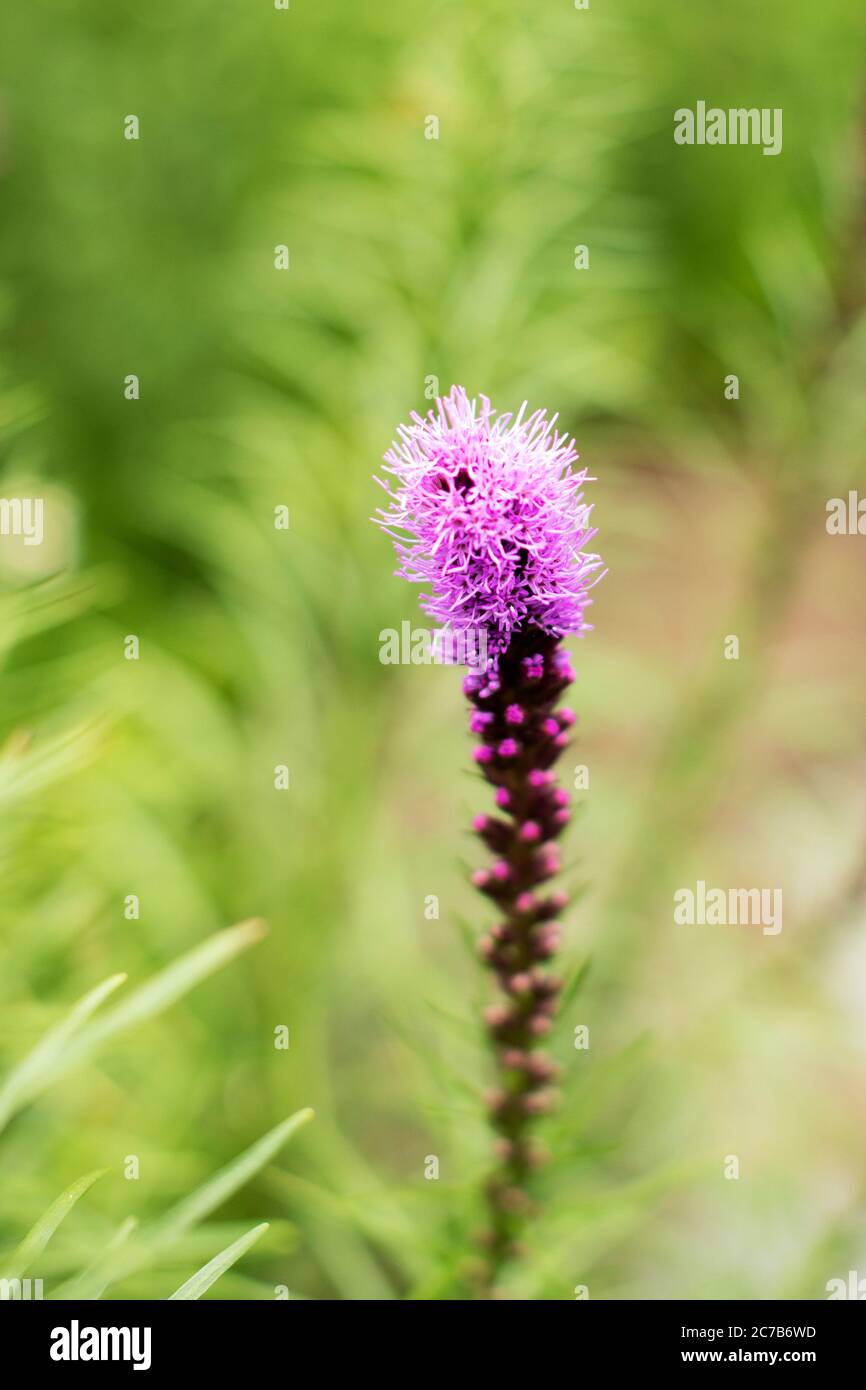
<point x="539" y="1102"/>
<point x="539" y="1025"/>
<point x="538" y="778"/>
<point x="496" y="1016"/>
<point x="513" y="1058"/>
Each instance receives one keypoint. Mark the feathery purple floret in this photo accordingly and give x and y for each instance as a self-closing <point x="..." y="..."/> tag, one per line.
<point x="489" y="513"/>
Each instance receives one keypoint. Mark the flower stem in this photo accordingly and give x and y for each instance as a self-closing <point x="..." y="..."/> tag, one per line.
<point x="521" y="736"/>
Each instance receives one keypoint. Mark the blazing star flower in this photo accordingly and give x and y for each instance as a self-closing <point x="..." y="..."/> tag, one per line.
<point x="489" y="513"/>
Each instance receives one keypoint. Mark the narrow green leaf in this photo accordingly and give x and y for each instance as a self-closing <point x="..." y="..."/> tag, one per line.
<point x="38" y="1237"/>
<point x="575" y="984"/>
<point x="166" y="987"/>
<point x="227" y="1181"/>
<point x="26" y="768"/>
<point x="36" y="1070"/>
<point x="151" y="1240"/>
<point x="215" y="1268"/>
<point x="71" y="1044"/>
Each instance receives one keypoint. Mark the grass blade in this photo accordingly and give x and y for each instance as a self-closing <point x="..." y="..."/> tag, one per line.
<point x="71" y="1044"/>
<point x="38" y="1237"/>
<point x="166" y="987"/>
<point x="201" y="1281"/>
<point x="151" y="1240"/>
<point x="35" y="1072"/>
<point x="227" y="1181"/>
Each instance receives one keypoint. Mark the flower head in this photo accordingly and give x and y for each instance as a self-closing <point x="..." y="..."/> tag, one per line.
<point x="488" y="511"/>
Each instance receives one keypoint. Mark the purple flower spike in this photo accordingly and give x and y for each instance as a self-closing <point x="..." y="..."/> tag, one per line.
<point x="487" y="511"/>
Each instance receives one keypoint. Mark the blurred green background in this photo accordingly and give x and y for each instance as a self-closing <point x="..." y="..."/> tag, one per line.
<point x="411" y="259"/>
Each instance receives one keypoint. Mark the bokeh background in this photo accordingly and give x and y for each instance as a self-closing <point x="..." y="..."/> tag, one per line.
<point x="412" y="259"/>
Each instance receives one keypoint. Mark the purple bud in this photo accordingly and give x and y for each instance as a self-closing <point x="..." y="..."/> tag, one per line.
<point x="496" y="1016"/>
<point x="537" y="778"/>
<point x="502" y="797"/>
<point x="545" y="945"/>
<point x="563" y="667"/>
<point x="557" y="902"/>
<point x="530" y="831"/>
<point x="550" y="727"/>
<point x="546" y="862"/>
<point x="544" y="985"/>
<point x="539" y="1025"/>
<point x="514" y="1059"/>
<point x="541" y="1068"/>
<point x="514" y="714"/>
<point x="539" y="1102"/>
<point x="514" y="1199"/>
<point x="483" y="754"/>
<point x="508" y="748"/>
